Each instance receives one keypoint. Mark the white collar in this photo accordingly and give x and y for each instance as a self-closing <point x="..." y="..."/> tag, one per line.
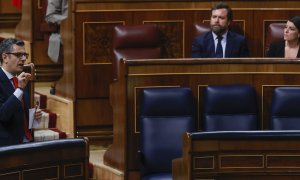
<point x="9" y="75"/>
<point x="224" y="36"/>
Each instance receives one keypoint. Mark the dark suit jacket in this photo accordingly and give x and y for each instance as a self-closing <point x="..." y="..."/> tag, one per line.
<point x="204" y="47"/>
<point x="11" y="113"/>
<point x="277" y="49"/>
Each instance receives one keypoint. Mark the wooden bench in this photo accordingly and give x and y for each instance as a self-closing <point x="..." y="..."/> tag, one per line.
<point x="57" y="159"/>
<point x="239" y="155"/>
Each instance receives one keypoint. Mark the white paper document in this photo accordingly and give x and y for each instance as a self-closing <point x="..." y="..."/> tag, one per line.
<point x="42" y="123"/>
<point x="31" y="118"/>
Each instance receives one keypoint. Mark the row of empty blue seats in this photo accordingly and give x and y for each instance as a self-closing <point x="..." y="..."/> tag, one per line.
<point x="166" y="113"/>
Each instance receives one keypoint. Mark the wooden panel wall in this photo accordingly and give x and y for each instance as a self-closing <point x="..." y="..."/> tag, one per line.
<point x="9" y="16"/>
<point x="87" y="37"/>
<point x="176" y="27"/>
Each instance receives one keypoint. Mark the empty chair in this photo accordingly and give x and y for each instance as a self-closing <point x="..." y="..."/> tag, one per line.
<point x="135" y="42"/>
<point x="230" y="108"/>
<point x="274" y="33"/>
<point x="165" y="115"/>
<point x="285" y="113"/>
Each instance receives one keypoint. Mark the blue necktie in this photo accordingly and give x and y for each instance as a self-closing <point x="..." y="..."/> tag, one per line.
<point x="219" y="50"/>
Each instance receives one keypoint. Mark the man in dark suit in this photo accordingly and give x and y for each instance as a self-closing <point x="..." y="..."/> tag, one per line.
<point x="14" y="99"/>
<point x="220" y="42"/>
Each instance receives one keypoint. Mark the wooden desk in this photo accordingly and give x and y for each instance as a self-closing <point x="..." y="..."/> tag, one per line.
<point x="134" y="75"/>
<point x="57" y="159"/>
<point x="239" y="155"/>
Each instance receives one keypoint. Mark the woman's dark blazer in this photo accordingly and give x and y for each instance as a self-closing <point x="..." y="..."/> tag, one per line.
<point x="277" y="50"/>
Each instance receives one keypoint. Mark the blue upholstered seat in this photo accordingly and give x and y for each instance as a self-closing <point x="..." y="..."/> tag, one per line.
<point x="230" y="108"/>
<point x="285" y="113"/>
<point x="165" y="115"/>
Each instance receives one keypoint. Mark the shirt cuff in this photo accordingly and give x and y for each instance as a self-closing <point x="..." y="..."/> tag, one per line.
<point x="18" y="93"/>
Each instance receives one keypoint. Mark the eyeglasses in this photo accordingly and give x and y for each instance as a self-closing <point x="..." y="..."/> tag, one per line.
<point x="20" y="55"/>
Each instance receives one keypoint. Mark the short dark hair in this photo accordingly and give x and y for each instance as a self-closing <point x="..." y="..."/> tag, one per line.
<point x="6" y="45"/>
<point x="223" y="5"/>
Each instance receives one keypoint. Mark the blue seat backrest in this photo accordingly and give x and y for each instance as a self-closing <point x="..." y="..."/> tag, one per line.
<point x="230" y="108"/>
<point x="165" y="115"/>
<point x="285" y="113"/>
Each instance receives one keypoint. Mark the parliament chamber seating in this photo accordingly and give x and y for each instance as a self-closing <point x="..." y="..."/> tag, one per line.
<point x="263" y="74"/>
<point x="274" y="33"/>
<point x="200" y="29"/>
<point x="57" y="159"/>
<point x="50" y="126"/>
<point x="285" y="114"/>
<point x="239" y="155"/>
<point x="230" y="107"/>
<point x="165" y="115"/>
<point x="135" y="42"/>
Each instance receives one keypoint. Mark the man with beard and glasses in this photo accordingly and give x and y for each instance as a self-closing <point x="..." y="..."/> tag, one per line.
<point x="220" y="42"/>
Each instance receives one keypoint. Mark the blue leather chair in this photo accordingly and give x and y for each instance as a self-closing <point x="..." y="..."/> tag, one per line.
<point x="230" y="108"/>
<point x="165" y="115"/>
<point x="285" y="113"/>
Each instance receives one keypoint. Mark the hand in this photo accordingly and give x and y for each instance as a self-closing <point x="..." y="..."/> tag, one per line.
<point x="38" y="115"/>
<point x="23" y="79"/>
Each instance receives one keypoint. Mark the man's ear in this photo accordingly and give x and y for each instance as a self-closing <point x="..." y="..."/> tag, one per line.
<point x="4" y="58"/>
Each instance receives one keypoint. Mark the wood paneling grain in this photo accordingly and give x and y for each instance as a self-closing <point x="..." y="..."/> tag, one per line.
<point x="265" y="155"/>
<point x="93" y="112"/>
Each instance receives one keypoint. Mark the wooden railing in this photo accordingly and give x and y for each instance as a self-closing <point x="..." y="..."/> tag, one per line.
<point x="264" y="155"/>
<point x="57" y="159"/>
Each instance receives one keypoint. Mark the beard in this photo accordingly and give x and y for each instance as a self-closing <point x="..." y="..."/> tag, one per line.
<point x="218" y="29"/>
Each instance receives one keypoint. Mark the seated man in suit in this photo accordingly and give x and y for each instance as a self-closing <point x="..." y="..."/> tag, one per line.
<point x="220" y="42"/>
<point x="14" y="99"/>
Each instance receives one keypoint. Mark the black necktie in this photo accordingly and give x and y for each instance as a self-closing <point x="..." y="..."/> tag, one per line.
<point x="219" y="50"/>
